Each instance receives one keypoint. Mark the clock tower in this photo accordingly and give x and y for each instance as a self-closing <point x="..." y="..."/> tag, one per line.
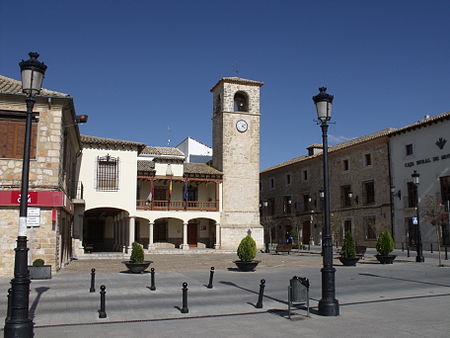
<point x="236" y="143"/>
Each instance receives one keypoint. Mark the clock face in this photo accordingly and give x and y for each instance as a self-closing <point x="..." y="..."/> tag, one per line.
<point x="242" y="126"/>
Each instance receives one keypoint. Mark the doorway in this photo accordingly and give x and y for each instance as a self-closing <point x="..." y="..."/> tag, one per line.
<point x="192" y="234"/>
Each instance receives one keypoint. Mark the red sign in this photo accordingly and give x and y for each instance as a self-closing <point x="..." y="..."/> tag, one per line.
<point x="37" y="199"/>
<point x="32" y="197"/>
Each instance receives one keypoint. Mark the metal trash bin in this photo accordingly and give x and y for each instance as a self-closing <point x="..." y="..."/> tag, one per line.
<point x="298" y="292"/>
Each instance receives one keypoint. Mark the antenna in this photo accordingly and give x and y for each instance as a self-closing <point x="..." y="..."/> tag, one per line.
<point x="236" y="69"/>
<point x="168" y="136"/>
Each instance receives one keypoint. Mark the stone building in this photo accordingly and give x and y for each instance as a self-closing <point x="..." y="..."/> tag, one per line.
<point x="359" y="190"/>
<point x="55" y="147"/>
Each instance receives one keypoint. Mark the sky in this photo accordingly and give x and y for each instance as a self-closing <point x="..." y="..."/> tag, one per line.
<point x="143" y="70"/>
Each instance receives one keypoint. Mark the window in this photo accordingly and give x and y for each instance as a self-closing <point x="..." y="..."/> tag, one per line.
<point x="369" y="228"/>
<point x="12" y="131"/>
<point x="346" y="165"/>
<point x="368" y="159"/>
<point x="347" y="226"/>
<point x="345" y="196"/>
<point x="305" y="175"/>
<point x="445" y="189"/>
<point x="288" y="179"/>
<point x="369" y="192"/>
<point x="306" y="202"/>
<point x="107" y="173"/>
<point x="272" y="183"/>
<point x="240" y="101"/>
<point x="287" y="202"/>
<point x="271" y="206"/>
<point x="412" y="195"/>
<point x="409" y="149"/>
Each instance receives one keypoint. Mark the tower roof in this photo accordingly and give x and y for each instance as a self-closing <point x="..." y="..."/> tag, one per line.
<point x="237" y="80"/>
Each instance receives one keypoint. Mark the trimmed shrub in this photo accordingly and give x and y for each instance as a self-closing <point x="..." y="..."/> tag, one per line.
<point x="385" y="243"/>
<point x="247" y="249"/>
<point x="38" y="262"/>
<point x="137" y="253"/>
<point x="349" y="247"/>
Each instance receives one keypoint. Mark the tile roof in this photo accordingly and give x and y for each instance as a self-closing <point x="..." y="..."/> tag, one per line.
<point x="109" y="142"/>
<point x="238" y="80"/>
<point x="162" y="151"/>
<point x="11" y="86"/>
<point x="422" y="123"/>
<point x="352" y="142"/>
<point x="200" y="168"/>
<point x="145" y="165"/>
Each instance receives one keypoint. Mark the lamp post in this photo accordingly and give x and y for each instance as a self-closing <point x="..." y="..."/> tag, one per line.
<point x="419" y="257"/>
<point x="328" y="304"/>
<point x="18" y="324"/>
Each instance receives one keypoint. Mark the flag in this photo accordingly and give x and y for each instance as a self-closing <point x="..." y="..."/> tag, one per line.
<point x="170" y="188"/>
<point x="186" y="194"/>
<point x="150" y="195"/>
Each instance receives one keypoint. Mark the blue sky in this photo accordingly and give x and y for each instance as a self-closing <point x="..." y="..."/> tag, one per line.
<point x="142" y="70"/>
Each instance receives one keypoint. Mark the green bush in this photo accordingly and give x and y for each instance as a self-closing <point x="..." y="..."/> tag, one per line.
<point x="247" y="249"/>
<point x="385" y="243"/>
<point x="137" y="253"/>
<point x="38" y="262"/>
<point x="349" y="247"/>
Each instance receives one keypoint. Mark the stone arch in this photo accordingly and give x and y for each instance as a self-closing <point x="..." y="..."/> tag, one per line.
<point x="241" y="101"/>
<point x="204" y="230"/>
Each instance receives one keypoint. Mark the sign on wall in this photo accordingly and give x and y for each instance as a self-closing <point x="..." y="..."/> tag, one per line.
<point x="33" y="217"/>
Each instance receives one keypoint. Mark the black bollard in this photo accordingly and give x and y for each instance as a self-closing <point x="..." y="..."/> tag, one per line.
<point x="446" y="256"/>
<point x="92" y="289"/>
<point x="184" y="308"/>
<point x="259" y="304"/>
<point x="403" y="247"/>
<point x="431" y="247"/>
<point x="407" y="251"/>
<point x="152" y="277"/>
<point x="211" y="274"/>
<point x="8" y="311"/>
<point x="102" y="312"/>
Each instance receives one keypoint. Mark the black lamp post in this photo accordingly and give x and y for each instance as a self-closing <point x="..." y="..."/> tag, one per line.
<point x="419" y="257"/>
<point x="328" y="304"/>
<point x="18" y="324"/>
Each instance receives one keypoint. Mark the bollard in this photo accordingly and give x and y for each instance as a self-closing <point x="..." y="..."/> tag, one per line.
<point x="446" y="257"/>
<point x="407" y="251"/>
<point x="431" y="247"/>
<point x="92" y="289"/>
<point x="259" y="304"/>
<point x="8" y="311"/>
<point x="403" y="247"/>
<point x="184" y="308"/>
<point x="211" y="274"/>
<point x="152" y="278"/>
<point x="102" y="312"/>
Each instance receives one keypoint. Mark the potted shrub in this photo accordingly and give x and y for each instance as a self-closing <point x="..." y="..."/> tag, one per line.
<point x="247" y="253"/>
<point x="348" y="251"/>
<point x="39" y="270"/>
<point x="385" y="245"/>
<point x="137" y="264"/>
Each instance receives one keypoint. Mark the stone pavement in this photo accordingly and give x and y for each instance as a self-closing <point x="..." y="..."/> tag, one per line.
<point x="406" y="299"/>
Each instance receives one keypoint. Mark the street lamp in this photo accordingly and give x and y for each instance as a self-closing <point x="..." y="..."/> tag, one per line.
<point x="18" y="323"/>
<point x="419" y="257"/>
<point x="328" y="305"/>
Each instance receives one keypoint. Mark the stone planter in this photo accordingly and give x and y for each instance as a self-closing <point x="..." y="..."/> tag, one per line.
<point x="246" y="266"/>
<point x="40" y="272"/>
<point x="137" y="267"/>
<point x="349" y="261"/>
<point x="389" y="259"/>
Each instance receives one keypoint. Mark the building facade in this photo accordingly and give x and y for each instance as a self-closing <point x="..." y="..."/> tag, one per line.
<point x="53" y="176"/>
<point x="424" y="148"/>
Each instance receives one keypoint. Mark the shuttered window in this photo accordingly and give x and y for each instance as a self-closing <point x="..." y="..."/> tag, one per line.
<point x="12" y="138"/>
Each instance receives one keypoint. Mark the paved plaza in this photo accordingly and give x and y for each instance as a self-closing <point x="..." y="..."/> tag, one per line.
<point x="406" y="299"/>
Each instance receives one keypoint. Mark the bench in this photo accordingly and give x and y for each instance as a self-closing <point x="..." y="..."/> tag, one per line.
<point x="284" y="247"/>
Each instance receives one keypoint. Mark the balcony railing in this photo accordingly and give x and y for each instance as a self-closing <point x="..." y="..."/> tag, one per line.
<point x="177" y="205"/>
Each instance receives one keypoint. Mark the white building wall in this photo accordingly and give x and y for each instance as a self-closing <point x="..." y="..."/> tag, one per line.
<point x="430" y="162"/>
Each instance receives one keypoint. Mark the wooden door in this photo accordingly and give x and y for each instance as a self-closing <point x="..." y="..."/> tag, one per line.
<point x="192" y="234"/>
<point x="306" y="232"/>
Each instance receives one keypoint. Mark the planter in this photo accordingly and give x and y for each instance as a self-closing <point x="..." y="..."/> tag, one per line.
<point x="137" y="267"/>
<point x="385" y="259"/>
<point x="349" y="261"/>
<point x="246" y="266"/>
<point x="40" y="272"/>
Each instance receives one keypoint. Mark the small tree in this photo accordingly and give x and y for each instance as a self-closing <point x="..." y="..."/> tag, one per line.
<point x="349" y="247"/>
<point x="247" y="249"/>
<point x="137" y="253"/>
<point x="385" y="243"/>
<point x="38" y="262"/>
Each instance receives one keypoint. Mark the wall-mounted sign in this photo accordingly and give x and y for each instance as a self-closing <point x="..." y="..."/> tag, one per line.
<point x="33" y="217"/>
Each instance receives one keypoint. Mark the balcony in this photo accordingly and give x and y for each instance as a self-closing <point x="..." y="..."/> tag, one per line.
<point x="177" y="205"/>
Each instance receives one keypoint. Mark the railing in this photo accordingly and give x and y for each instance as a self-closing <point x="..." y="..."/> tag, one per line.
<point x="177" y="205"/>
